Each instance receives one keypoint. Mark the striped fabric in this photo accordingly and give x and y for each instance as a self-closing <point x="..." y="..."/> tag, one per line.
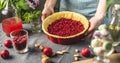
<point x="85" y="7"/>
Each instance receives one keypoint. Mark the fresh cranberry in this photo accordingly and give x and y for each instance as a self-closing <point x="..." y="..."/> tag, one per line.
<point x="23" y="40"/>
<point x="65" y="27"/>
<point x="85" y="52"/>
<point x="47" y="51"/>
<point x="4" y="54"/>
<point x="20" y="42"/>
<point x="8" y="43"/>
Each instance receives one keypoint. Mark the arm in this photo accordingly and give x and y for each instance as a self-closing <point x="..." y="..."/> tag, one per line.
<point x="96" y="20"/>
<point x="48" y="8"/>
<point x="101" y="11"/>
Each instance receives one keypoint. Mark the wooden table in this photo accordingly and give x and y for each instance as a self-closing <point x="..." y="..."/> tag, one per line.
<point x="114" y="58"/>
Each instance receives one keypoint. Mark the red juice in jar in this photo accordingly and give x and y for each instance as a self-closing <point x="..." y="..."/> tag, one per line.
<point x="10" y="24"/>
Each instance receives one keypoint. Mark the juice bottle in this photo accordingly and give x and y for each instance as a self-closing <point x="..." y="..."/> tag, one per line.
<point x="10" y="24"/>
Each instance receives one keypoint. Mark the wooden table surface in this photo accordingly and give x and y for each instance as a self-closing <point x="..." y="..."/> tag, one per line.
<point x="114" y="58"/>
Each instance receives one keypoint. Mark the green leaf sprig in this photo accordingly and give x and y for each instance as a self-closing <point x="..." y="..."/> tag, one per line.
<point x="2" y="4"/>
<point x="31" y="16"/>
<point x="24" y="12"/>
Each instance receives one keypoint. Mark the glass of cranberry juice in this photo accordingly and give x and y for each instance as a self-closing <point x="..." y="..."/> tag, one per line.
<point x="19" y="38"/>
<point x="10" y="24"/>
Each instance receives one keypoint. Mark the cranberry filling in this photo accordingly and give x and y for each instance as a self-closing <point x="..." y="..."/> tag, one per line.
<point x="65" y="27"/>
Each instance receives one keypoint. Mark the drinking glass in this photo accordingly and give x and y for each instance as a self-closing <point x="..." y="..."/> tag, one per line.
<point x="19" y="38"/>
<point x="36" y="26"/>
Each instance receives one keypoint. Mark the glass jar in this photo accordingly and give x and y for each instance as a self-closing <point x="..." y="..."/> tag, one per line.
<point x="11" y="24"/>
<point x="9" y="20"/>
<point x="36" y="26"/>
<point x="114" y="25"/>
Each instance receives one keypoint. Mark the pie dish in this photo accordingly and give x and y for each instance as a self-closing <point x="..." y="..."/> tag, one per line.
<point x="65" y="39"/>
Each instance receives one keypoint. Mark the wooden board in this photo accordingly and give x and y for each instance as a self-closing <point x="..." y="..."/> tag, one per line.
<point x="114" y="58"/>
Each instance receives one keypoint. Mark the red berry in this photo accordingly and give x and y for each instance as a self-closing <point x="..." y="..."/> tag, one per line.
<point x="20" y="42"/>
<point x="23" y="40"/>
<point x="4" y="54"/>
<point x="65" y="27"/>
<point x="8" y="43"/>
<point x="47" y="51"/>
<point x="85" y="52"/>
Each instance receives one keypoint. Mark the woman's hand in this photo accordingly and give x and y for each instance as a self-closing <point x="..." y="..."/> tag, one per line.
<point x="48" y="8"/>
<point x="96" y="20"/>
<point x="46" y="12"/>
<point x="94" y="23"/>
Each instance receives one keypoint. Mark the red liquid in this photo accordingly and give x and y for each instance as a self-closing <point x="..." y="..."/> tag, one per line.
<point x="10" y="24"/>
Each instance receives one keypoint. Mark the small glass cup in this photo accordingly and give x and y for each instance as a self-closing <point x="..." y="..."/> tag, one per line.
<point x="19" y="39"/>
<point x="36" y="26"/>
